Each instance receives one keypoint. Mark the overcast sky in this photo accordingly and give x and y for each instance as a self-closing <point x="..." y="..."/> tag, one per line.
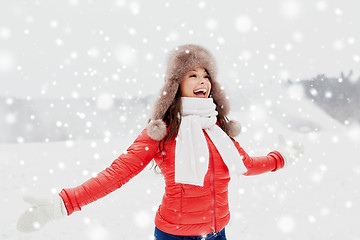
<point x="79" y="48"/>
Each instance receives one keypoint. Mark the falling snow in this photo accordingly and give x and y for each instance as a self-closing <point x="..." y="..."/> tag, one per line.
<point x="78" y="79"/>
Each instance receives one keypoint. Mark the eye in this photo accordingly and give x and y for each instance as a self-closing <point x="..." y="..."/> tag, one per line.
<point x="207" y="76"/>
<point x="193" y="75"/>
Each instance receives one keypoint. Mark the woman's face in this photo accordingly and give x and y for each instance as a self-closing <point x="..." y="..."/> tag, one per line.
<point x="196" y="83"/>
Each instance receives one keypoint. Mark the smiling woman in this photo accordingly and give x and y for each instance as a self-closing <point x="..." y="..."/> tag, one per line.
<point x="196" y="83"/>
<point x="196" y="153"/>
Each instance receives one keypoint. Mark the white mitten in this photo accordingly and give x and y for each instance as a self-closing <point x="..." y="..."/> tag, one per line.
<point x="289" y="150"/>
<point x="42" y="210"/>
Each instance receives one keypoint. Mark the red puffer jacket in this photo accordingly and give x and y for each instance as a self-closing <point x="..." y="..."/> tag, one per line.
<point x="185" y="209"/>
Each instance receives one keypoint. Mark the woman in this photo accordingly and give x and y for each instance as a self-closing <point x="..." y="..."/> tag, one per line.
<point x="191" y="141"/>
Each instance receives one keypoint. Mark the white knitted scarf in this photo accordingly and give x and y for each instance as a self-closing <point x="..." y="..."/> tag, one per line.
<point x="192" y="152"/>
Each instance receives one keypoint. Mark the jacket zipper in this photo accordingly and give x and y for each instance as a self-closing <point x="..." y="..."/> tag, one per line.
<point x="181" y="203"/>
<point x="213" y="196"/>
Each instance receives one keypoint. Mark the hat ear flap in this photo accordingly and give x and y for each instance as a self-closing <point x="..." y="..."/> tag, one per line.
<point x="164" y="100"/>
<point x="220" y="98"/>
<point x="156" y="128"/>
<point x="233" y="128"/>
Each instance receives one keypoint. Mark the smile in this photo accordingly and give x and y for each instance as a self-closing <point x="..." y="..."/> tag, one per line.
<point x="201" y="92"/>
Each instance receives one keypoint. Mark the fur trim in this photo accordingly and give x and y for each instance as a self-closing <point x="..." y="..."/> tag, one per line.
<point x="164" y="100"/>
<point x="156" y="129"/>
<point x="234" y="128"/>
<point x="220" y="98"/>
<point x="187" y="57"/>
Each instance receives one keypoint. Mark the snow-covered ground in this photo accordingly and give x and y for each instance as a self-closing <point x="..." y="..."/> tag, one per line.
<point x="318" y="198"/>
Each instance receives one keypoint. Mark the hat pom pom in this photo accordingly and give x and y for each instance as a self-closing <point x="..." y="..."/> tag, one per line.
<point x="233" y="128"/>
<point x="156" y="129"/>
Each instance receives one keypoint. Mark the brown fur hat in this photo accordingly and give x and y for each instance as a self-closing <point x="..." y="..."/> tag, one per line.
<point x="181" y="60"/>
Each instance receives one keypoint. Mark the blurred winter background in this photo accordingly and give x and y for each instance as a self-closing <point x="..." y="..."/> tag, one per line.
<point x="78" y="77"/>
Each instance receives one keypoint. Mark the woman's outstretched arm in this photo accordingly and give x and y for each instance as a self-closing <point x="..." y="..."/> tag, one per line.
<point x="258" y="165"/>
<point x="126" y="166"/>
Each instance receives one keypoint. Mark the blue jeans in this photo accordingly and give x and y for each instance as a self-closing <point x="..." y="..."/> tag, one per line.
<point x="160" y="235"/>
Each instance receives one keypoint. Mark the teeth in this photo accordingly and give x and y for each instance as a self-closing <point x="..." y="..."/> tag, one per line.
<point x="200" y="90"/>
